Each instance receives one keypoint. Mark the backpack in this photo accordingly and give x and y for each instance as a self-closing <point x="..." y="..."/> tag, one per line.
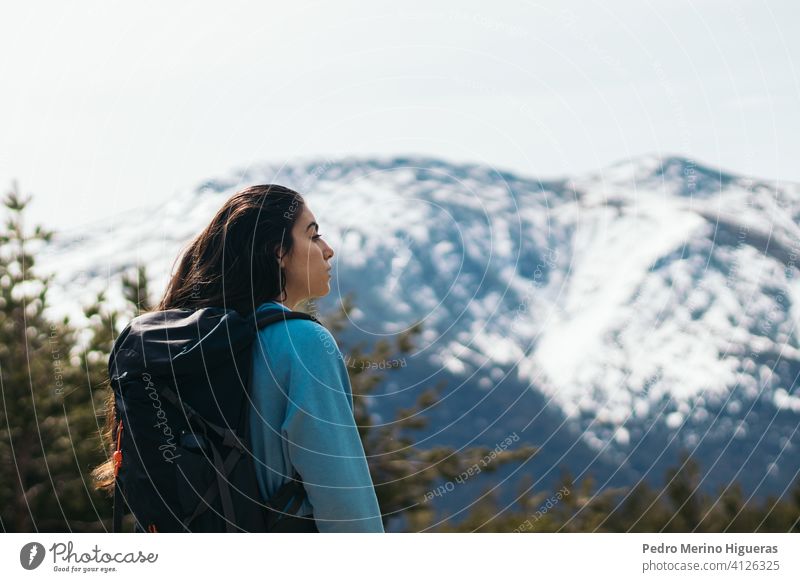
<point x="183" y="460"/>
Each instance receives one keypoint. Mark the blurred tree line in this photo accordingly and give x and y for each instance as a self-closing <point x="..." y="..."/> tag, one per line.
<point x="53" y="395"/>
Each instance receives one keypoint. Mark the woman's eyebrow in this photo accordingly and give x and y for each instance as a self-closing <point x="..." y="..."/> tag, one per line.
<point x="312" y="224"/>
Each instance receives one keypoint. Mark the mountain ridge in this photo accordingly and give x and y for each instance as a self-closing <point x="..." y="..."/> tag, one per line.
<point x="632" y="299"/>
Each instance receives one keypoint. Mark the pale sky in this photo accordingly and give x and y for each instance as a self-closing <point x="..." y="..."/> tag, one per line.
<point x="106" y="106"/>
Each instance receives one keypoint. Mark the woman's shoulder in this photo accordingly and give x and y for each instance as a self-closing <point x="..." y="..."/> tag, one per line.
<point x="303" y="336"/>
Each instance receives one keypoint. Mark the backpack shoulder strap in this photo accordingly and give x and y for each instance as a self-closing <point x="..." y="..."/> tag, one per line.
<point x="263" y="320"/>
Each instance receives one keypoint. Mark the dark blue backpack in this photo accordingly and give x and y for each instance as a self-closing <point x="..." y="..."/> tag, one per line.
<point x="183" y="460"/>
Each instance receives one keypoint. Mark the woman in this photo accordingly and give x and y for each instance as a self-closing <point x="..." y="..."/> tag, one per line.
<point x="263" y="252"/>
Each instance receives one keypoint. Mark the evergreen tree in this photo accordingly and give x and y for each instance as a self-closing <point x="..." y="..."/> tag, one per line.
<point x="53" y="379"/>
<point x="46" y="412"/>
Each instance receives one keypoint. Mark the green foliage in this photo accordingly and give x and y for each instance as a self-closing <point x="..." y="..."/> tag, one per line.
<point x="51" y="392"/>
<point x="677" y="507"/>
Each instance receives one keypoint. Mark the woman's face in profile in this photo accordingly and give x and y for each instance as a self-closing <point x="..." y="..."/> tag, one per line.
<point x="306" y="266"/>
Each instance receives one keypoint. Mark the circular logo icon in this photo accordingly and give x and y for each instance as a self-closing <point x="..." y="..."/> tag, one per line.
<point x="31" y="555"/>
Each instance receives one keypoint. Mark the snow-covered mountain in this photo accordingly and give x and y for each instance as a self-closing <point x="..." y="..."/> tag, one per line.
<point x="610" y="318"/>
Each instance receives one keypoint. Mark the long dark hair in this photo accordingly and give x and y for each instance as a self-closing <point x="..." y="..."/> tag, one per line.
<point x="233" y="264"/>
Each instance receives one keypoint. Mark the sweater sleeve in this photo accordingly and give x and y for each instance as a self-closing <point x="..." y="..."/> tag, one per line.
<point x="323" y="441"/>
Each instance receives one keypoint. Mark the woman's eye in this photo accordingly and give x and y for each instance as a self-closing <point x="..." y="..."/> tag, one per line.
<point x="316" y="236"/>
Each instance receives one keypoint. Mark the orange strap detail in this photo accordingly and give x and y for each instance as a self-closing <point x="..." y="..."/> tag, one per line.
<point x="117" y="456"/>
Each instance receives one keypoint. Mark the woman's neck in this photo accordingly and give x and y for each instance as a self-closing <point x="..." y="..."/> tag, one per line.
<point x="284" y="303"/>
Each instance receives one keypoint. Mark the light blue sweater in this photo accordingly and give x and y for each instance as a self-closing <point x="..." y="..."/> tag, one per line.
<point x="303" y="420"/>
